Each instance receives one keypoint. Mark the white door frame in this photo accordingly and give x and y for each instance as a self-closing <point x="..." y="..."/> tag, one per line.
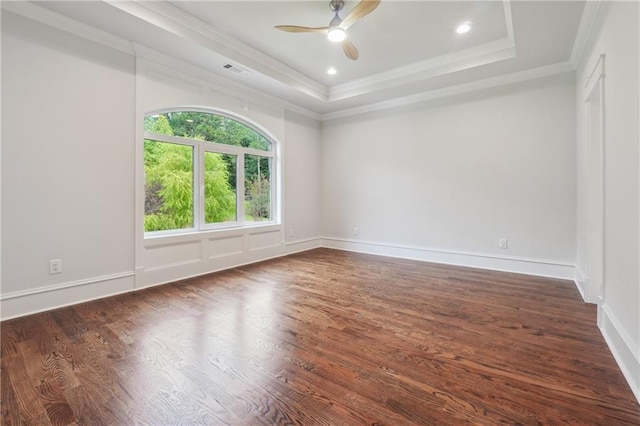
<point x="595" y="182"/>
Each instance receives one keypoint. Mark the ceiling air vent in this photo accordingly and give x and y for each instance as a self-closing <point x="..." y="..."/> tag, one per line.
<point x="235" y="69"/>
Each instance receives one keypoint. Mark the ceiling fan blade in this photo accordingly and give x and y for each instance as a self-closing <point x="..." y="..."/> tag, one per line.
<point x="297" y="29"/>
<point x="350" y="50"/>
<point x="361" y="10"/>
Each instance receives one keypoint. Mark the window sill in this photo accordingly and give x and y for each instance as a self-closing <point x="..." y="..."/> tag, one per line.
<point x="195" y="236"/>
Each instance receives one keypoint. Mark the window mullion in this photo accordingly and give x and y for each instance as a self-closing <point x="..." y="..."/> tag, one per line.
<point x="240" y="188"/>
<point x="258" y="152"/>
<point x="199" y="197"/>
<point x="169" y="139"/>
<point x="272" y="185"/>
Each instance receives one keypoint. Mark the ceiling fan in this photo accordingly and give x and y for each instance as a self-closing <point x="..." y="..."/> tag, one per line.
<point x="337" y="28"/>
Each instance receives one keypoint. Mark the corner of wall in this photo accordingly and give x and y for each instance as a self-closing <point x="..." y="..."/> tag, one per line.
<point x="581" y="284"/>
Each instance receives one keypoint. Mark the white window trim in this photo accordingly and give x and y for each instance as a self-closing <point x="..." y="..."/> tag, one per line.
<point x="199" y="148"/>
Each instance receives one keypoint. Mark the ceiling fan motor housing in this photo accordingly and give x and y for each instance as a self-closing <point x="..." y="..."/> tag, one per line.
<point x="336" y="5"/>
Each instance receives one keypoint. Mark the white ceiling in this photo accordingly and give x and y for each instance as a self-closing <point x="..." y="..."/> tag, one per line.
<point x="407" y="48"/>
<point x="396" y="34"/>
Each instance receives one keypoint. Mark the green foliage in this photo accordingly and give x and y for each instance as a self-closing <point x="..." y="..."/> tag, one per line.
<point x="169" y="171"/>
<point x="255" y="166"/>
<point x="154" y="151"/>
<point x="215" y="128"/>
<point x="258" y="198"/>
<point x="220" y="199"/>
<point x="169" y="186"/>
<point x="158" y="124"/>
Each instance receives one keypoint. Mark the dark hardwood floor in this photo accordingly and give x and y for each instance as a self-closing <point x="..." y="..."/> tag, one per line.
<point x="321" y="337"/>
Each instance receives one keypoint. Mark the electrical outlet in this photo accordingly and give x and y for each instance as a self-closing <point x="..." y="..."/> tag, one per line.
<point x="55" y="266"/>
<point x="503" y="243"/>
<point x="356" y="231"/>
<point x="291" y="232"/>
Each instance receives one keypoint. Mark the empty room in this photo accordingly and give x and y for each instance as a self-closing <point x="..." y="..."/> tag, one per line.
<point x="320" y="212"/>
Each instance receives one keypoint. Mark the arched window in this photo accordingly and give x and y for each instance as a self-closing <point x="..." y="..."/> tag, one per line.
<point x="205" y="171"/>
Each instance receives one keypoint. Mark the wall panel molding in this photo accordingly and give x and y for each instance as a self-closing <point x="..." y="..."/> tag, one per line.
<point x="297" y="246"/>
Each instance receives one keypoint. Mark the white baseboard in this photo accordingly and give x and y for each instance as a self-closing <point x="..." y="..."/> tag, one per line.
<point x="624" y="350"/>
<point x="581" y="284"/>
<point x="22" y="303"/>
<point x="296" y="246"/>
<point x="538" y="267"/>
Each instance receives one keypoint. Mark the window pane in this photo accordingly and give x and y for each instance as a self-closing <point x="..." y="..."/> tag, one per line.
<point x="157" y="124"/>
<point x="207" y="127"/>
<point x="168" y="202"/>
<point x="219" y="187"/>
<point x="257" y="185"/>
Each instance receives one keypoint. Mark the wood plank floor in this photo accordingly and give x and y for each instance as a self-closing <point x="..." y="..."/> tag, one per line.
<point x="321" y="337"/>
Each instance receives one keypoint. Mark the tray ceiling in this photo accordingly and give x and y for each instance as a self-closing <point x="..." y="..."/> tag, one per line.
<point x="406" y="47"/>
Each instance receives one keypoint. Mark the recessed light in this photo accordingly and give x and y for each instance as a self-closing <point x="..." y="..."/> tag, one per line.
<point x="463" y="28"/>
<point x="332" y="71"/>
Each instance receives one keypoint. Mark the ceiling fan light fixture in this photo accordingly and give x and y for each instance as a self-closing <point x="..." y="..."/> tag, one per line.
<point x="336" y="34"/>
<point x="336" y="31"/>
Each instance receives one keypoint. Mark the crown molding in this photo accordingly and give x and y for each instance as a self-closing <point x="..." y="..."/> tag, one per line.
<point x="169" y="18"/>
<point x="585" y="27"/>
<point x="497" y="50"/>
<point x="219" y="83"/>
<point x="47" y="17"/>
<point x="223" y="84"/>
<point x="486" y="53"/>
<point x="508" y="18"/>
<point x="174" y="20"/>
<point x="502" y="80"/>
<point x="178" y="22"/>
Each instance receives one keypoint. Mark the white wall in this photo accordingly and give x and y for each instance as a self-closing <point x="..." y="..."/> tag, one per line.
<point x="445" y="180"/>
<point x="616" y="36"/>
<point x="72" y="171"/>
<point x="302" y="191"/>
<point x="67" y="131"/>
